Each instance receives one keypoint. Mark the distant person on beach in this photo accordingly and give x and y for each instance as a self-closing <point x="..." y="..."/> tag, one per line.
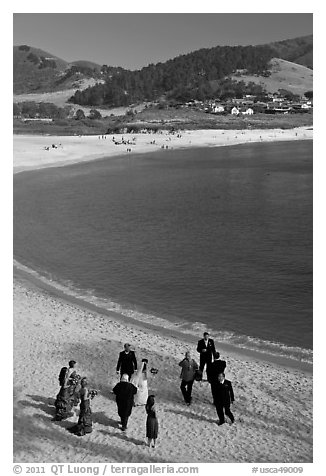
<point x="223" y="397"/>
<point x="206" y="350"/>
<point x="124" y="392"/>
<point x="140" y="381"/>
<point x="151" y="421"/>
<point x="85" y="423"/>
<point x="127" y="363"/>
<point x="188" y="372"/>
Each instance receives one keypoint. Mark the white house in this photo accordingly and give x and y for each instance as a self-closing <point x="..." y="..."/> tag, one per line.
<point x="218" y="108"/>
<point x="248" y="111"/>
<point x="235" y="111"/>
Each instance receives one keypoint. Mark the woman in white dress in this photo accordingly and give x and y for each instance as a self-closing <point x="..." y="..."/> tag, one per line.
<point x="140" y="381"/>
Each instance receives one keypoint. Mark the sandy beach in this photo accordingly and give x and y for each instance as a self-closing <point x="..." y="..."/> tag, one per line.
<point x="29" y="150"/>
<point x="273" y="402"/>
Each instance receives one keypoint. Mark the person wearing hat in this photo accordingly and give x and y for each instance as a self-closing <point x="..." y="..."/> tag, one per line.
<point x="127" y="363"/>
<point x="124" y="393"/>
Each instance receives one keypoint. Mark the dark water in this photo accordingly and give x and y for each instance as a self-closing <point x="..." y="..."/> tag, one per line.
<point x="218" y="236"/>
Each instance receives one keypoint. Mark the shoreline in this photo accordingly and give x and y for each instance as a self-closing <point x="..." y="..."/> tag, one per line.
<point x="273" y="394"/>
<point x="272" y="403"/>
<point x="170" y="333"/>
<point x="29" y="150"/>
<point x="106" y="149"/>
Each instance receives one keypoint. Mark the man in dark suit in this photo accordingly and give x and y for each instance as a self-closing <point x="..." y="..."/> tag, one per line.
<point x="124" y="392"/>
<point x="214" y="369"/>
<point x="127" y="363"/>
<point x="223" y="397"/>
<point x="206" y="349"/>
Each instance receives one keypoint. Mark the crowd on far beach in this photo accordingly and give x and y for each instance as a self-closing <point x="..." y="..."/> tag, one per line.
<point x="132" y="389"/>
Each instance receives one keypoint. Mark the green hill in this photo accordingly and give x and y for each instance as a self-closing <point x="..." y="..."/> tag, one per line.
<point x="37" y="71"/>
<point x="87" y="64"/>
<point x="283" y="75"/>
<point x="297" y="50"/>
<point x="202" y="74"/>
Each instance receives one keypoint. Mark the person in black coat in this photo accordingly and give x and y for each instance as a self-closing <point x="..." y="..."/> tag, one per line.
<point x="127" y="363"/>
<point x="124" y="393"/>
<point x="214" y="369"/>
<point x="223" y="397"/>
<point x="206" y="349"/>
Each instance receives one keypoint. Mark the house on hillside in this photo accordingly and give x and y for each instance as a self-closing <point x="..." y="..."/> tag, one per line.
<point x="248" y="111"/>
<point x="217" y="108"/>
<point x="235" y="111"/>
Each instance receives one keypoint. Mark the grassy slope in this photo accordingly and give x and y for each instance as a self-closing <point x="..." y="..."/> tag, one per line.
<point x="298" y="50"/>
<point x="28" y="76"/>
<point x="86" y="64"/>
<point x="60" y="98"/>
<point x="284" y="75"/>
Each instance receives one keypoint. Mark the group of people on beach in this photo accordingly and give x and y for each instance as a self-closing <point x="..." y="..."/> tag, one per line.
<point x="132" y="389"/>
<point x="221" y="388"/>
<point x="73" y="391"/>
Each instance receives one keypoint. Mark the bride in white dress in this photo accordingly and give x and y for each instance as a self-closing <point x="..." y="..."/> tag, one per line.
<point x="140" y="381"/>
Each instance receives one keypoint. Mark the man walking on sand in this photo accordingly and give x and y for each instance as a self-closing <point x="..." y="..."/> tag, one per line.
<point x="124" y="393"/>
<point x="206" y="349"/>
<point x="189" y="367"/>
<point x="127" y="363"/>
<point x="223" y="397"/>
<point x="214" y="369"/>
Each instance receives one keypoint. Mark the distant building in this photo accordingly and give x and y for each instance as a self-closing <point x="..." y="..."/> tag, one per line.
<point x="235" y="111"/>
<point x="248" y="111"/>
<point x="218" y="108"/>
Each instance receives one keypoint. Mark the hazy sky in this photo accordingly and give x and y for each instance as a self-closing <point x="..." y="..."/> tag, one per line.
<point x="133" y="40"/>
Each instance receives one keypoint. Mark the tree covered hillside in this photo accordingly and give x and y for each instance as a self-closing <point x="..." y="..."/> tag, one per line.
<point x="297" y="50"/>
<point x="198" y="75"/>
<point x="187" y="76"/>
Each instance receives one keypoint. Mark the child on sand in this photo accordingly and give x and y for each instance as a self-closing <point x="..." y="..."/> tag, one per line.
<point x="151" y="422"/>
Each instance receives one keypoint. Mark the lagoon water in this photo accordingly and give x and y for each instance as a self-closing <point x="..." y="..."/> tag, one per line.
<point x="217" y="238"/>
